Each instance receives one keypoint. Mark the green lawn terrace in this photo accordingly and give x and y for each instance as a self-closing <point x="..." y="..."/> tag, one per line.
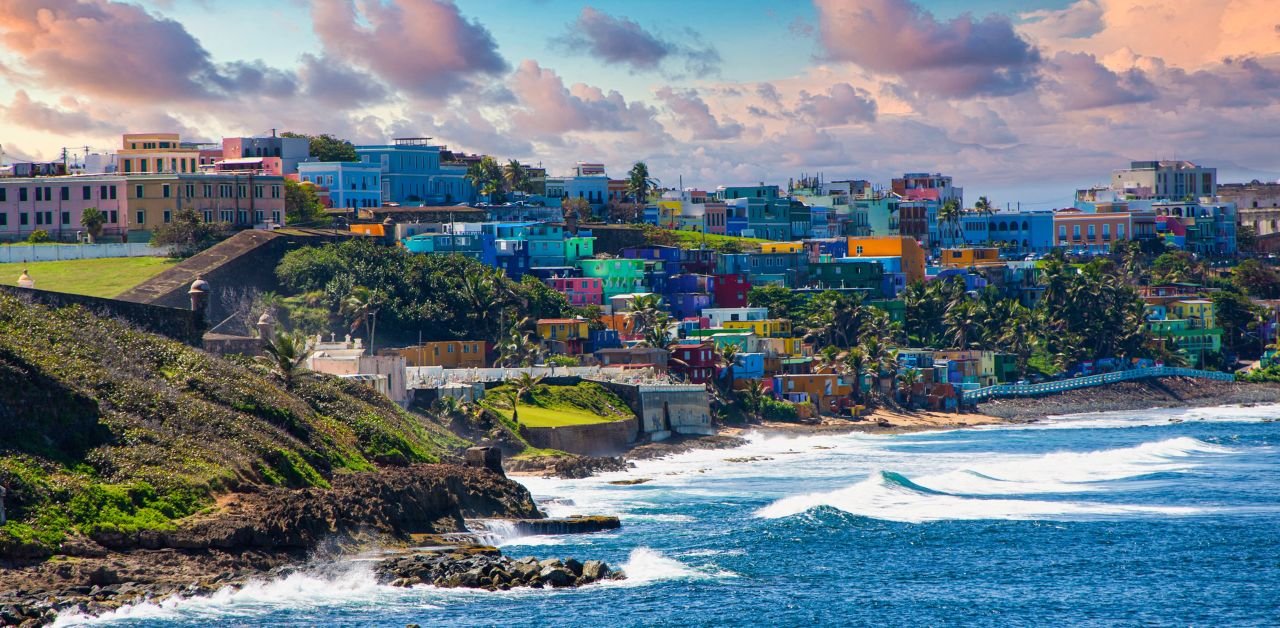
<point x="102" y="277"/>
<point x="545" y="405"/>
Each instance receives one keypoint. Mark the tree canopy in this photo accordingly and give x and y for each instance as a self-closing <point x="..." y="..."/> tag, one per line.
<point x="325" y="147"/>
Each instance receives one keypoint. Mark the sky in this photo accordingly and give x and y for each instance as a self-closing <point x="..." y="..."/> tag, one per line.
<point x="1020" y="100"/>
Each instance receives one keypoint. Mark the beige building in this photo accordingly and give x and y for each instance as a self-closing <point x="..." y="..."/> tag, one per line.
<point x="1257" y="206"/>
<point x="242" y="200"/>
<point x="156" y="153"/>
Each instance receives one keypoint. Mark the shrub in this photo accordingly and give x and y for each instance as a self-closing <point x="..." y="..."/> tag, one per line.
<point x="38" y="236"/>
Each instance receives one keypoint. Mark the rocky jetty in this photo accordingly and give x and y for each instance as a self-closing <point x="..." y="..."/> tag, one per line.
<point x="577" y="524"/>
<point x="480" y="567"/>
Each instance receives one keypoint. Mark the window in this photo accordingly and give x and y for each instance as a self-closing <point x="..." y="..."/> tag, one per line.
<point x="4" y="194"/>
<point x="1106" y="231"/>
<point x="65" y="193"/>
<point x="1092" y="233"/>
<point x="208" y="190"/>
<point x="208" y="215"/>
<point x="167" y="216"/>
<point x="1075" y="232"/>
<point x="86" y="193"/>
<point x="142" y="217"/>
<point x="1120" y="231"/>
<point x="4" y="220"/>
<point x="137" y="191"/>
<point x="128" y="165"/>
<point x="39" y="195"/>
<point x="22" y="195"/>
<point x="142" y="164"/>
<point x="39" y="218"/>
<point x="112" y="190"/>
<point x="66" y="218"/>
<point x="275" y="191"/>
<point x="113" y="216"/>
<point x="164" y="192"/>
<point x="191" y="190"/>
<point x="22" y="218"/>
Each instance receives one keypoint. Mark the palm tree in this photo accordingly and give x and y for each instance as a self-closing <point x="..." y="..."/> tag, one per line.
<point x="906" y="379"/>
<point x="648" y="311"/>
<point x="284" y="354"/>
<point x="983" y="206"/>
<point x="753" y="398"/>
<point x="516" y="177"/>
<point x="728" y="359"/>
<point x="949" y="216"/>
<point x="486" y="176"/>
<point x="93" y="220"/>
<point x="521" y="386"/>
<point x="962" y="320"/>
<point x="518" y="349"/>
<point x="361" y="306"/>
<point x="827" y="360"/>
<point x="575" y="210"/>
<point x="640" y="185"/>
<point x="855" y="362"/>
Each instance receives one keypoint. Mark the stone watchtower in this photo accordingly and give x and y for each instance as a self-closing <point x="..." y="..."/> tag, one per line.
<point x="199" y="294"/>
<point x="266" y="326"/>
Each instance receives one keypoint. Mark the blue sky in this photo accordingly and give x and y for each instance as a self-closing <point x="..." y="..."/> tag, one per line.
<point x="1020" y="101"/>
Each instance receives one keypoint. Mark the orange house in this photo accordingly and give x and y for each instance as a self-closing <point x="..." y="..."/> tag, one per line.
<point x="450" y="354"/>
<point x="826" y="390"/>
<point x="624" y="323"/>
<point x="904" y="247"/>
<point x="975" y="256"/>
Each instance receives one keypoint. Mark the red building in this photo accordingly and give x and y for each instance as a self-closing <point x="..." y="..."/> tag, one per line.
<point x="694" y="361"/>
<point x="731" y="290"/>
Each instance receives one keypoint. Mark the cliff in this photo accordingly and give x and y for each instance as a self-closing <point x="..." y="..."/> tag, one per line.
<point x="115" y="437"/>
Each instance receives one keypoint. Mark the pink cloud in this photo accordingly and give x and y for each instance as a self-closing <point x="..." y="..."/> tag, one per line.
<point x="958" y="58"/>
<point x="547" y="108"/>
<point x="424" y="47"/>
<point x="694" y="114"/>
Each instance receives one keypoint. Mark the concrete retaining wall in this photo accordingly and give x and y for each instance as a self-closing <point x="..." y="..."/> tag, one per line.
<point x="663" y="410"/>
<point x="56" y="252"/>
<point x="597" y="439"/>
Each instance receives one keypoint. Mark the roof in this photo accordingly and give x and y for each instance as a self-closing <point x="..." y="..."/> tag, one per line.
<point x="561" y="320"/>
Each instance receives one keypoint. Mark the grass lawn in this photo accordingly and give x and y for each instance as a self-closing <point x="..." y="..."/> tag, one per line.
<point x="715" y="241"/>
<point x="106" y="277"/>
<point x="535" y="416"/>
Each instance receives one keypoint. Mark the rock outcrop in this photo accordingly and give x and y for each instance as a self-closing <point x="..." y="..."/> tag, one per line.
<point x="480" y="567"/>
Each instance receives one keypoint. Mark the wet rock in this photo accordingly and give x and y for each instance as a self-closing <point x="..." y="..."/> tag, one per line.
<point x="593" y="570"/>
<point x="557" y="576"/>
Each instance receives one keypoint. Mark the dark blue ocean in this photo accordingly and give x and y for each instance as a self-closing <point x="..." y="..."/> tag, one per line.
<point x="1148" y="518"/>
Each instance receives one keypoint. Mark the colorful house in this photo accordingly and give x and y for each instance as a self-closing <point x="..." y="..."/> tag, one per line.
<point x="826" y="391"/>
<point x="694" y="361"/>
<point x="903" y="247"/>
<point x="564" y="335"/>
<point x="580" y="291"/>
<point x="450" y="354"/>
<point x="618" y="276"/>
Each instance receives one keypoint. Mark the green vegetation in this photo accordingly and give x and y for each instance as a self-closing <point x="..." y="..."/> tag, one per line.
<point x="302" y="206"/>
<point x="109" y="429"/>
<point x="697" y="239"/>
<point x="554" y="406"/>
<point x="188" y="233"/>
<point x="325" y="147"/>
<point x="445" y="297"/>
<point x="106" y="277"/>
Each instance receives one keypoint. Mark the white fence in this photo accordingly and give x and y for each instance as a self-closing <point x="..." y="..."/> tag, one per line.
<point x="56" y="252"/>
<point x="437" y="376"/>
<point x="1032" y="390"/>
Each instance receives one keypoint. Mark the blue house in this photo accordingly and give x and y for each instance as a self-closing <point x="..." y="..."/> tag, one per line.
<point x="351" y="184"/>
<point x="748" y="366"/>
<point x="412" y="173"/>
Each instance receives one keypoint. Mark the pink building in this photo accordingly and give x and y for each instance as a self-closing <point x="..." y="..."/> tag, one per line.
<point x="56" y="204"/>
<point x="715" y="217"/>
<point x="580" y="291"/>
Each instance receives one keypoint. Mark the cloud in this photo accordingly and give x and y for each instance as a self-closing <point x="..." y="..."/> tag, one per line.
<point x="37" y="115"/>
<point x="842" y="104"/>
<point x="107" y="48"/>
<point x="694" y="114"/>
<point x="1081" y="19"/>
<point x="622" y="41"/>
<point x="424" y="47"/>
<point x="959" y="58"/>
<point x="548" y="109"/>
<point x="334" y="83"/>
<point x="1080" y="82"/>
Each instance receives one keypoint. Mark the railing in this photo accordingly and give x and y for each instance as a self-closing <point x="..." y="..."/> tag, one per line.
<point x="1033" y="390"/>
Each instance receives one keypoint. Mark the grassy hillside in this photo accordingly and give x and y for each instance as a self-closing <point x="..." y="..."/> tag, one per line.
<point x="555" y="406"/>
<point x="106" y="277"/>
<point x="104" y="428"/>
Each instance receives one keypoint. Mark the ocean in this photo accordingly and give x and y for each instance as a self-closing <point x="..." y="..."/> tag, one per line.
<point x="1163" y="517"/>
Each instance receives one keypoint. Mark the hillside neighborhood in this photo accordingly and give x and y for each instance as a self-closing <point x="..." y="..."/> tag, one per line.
<point x="442" y="278"/>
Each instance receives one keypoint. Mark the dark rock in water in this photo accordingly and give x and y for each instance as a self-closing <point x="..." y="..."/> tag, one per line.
<point x="568" y="525"/>
<point x="630" y="482"/>
<point x="557" y="576"/>
<point x="486" y="568"/>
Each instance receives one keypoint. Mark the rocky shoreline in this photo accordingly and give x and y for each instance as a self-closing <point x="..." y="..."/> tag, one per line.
<point x="271" y="532"/>
<point x="1168" y="392"/>
<point x="479" y="567"/>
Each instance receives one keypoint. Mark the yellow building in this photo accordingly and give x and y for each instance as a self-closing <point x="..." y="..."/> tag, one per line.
<point x="781" y="247"/>
<point x="1199" y="312"/>
<point x="563" y="328"/>
<point x="771" y="328"/>
<point x="238" y="199"/>
<point x="904" y="247"/>
<point x="450" y="354"/>
<point x="156" y="153"/>
<point x="975" y="256"/>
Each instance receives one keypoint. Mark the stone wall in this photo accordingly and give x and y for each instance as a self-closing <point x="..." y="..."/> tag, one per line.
<point x="244" y="263"/>
<point x="179" y="324"/>
<point x="596" y="439"/>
